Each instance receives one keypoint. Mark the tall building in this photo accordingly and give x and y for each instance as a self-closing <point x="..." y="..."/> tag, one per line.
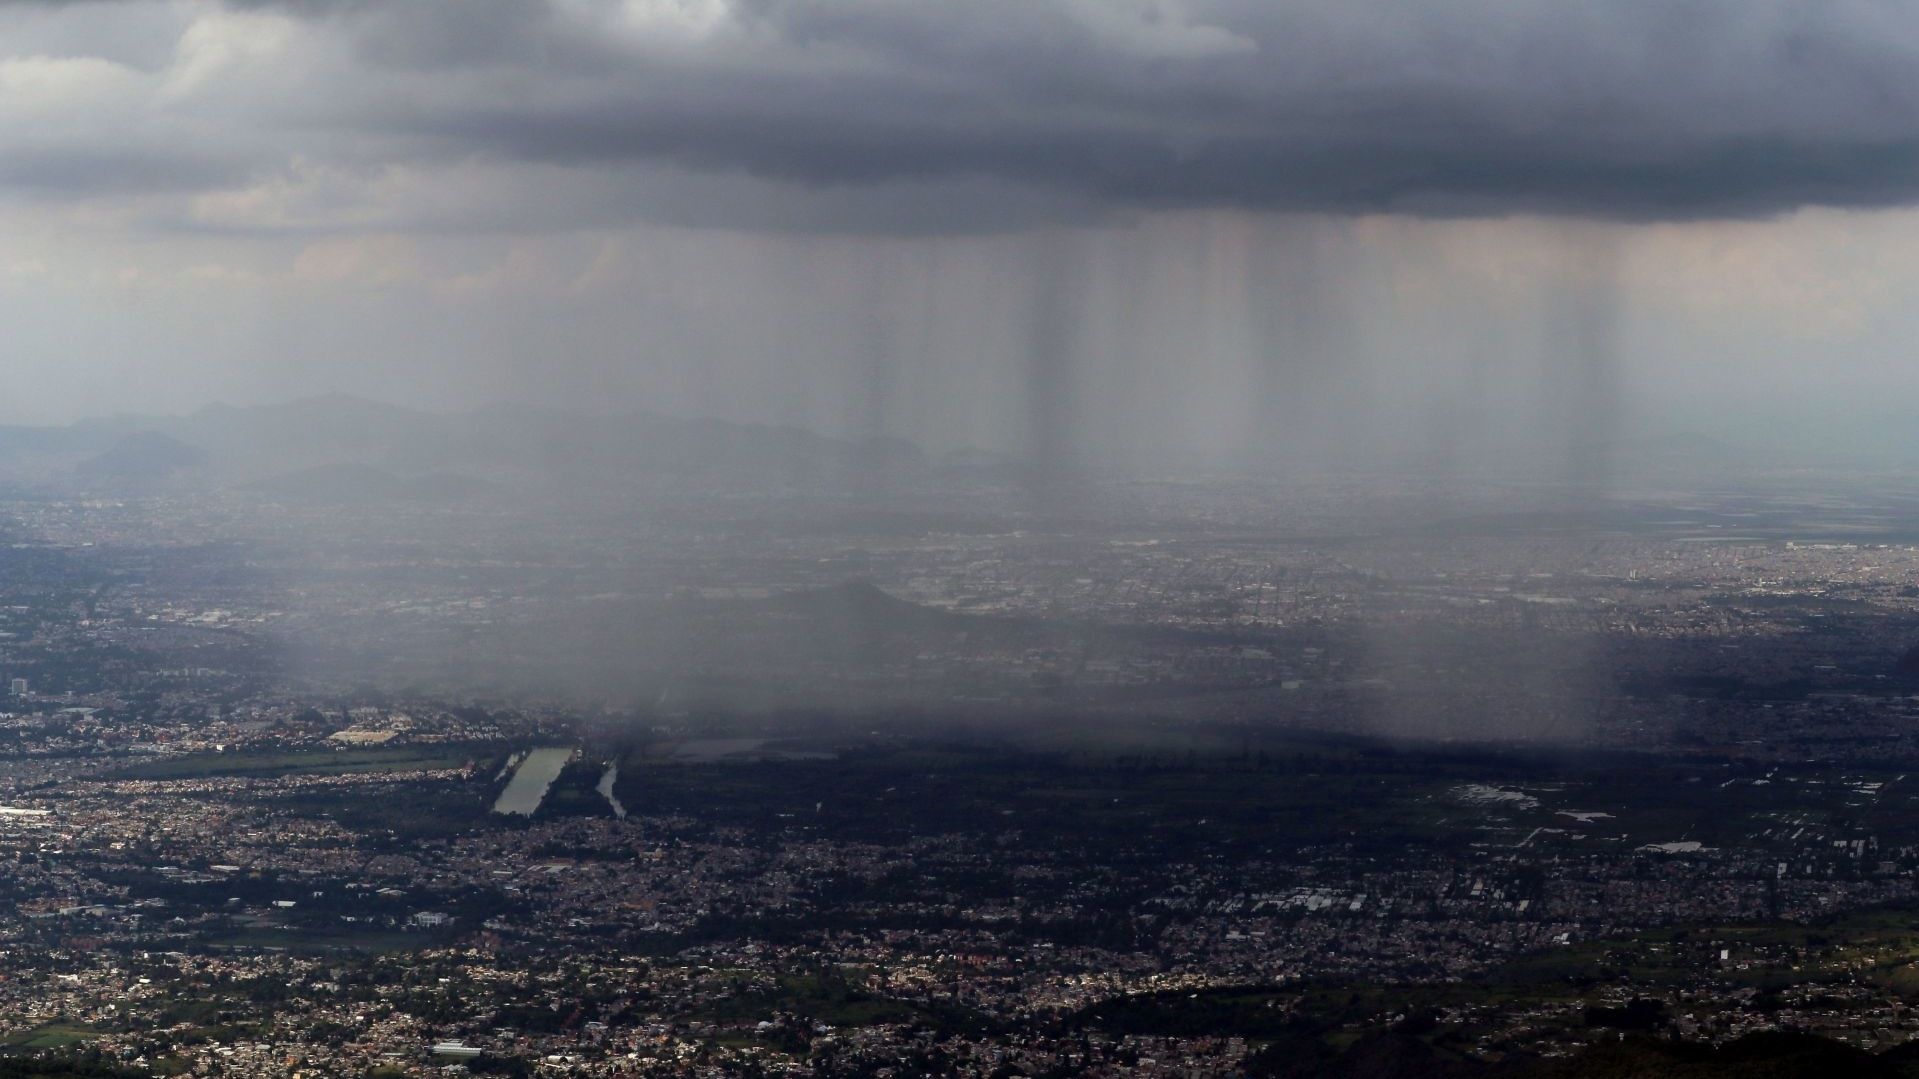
<point x="19" y="687"/>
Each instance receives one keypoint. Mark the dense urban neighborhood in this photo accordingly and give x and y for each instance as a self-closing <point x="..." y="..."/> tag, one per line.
<point x="1177" y="786"/>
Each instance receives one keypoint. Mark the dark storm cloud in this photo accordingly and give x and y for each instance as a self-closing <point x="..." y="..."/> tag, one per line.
<point x="1629" y="109"/>
<point x="1634" y="109"/>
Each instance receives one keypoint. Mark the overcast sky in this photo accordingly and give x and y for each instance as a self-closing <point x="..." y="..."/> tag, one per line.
<point x="1121" y="225"/>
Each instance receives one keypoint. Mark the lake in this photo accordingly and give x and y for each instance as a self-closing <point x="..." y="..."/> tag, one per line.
<point x="527" y="789"/>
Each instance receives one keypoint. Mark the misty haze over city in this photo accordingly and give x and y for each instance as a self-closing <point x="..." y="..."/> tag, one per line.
<point x="1265" y="538"/>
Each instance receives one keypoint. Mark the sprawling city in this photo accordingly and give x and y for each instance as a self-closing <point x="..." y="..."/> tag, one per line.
<point x="890" y="774"/>
<point x="1004" y="539"/>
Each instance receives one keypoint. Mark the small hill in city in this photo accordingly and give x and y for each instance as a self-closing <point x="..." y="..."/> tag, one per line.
<point x="141" y="457"/>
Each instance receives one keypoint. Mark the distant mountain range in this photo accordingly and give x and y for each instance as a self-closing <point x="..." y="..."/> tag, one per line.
<point x="341" y="448"/>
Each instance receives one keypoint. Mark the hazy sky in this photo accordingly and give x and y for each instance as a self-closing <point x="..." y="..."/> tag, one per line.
<point x="1121" y="225"/>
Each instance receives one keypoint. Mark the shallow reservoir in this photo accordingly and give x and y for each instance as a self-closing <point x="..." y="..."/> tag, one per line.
<point x="528" y="787"/>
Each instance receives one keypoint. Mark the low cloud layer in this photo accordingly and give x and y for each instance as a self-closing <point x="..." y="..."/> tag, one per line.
<point x="902" y="116"/>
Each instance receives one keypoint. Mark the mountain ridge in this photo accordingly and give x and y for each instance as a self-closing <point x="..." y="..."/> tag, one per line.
<point x="242" y="445"/>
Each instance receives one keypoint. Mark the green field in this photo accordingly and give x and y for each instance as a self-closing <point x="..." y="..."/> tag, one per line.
<point x="52" y="1036"/>
<point x="308" y="941"/>
<point x="252" y="765"/>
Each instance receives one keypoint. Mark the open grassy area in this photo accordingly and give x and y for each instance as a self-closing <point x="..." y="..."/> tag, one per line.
<point x="307" y="941"/>
<point x="52" y="1036"/>
<point x="310" y="762"/>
